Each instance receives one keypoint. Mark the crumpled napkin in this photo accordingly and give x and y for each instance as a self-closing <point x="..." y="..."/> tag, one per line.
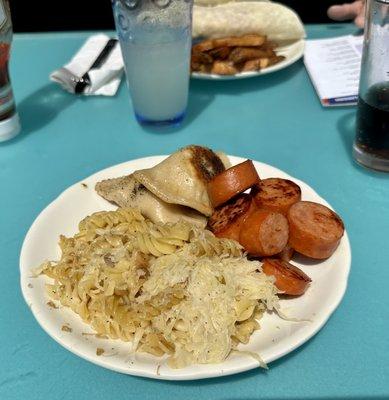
<point x="96" y="69"/>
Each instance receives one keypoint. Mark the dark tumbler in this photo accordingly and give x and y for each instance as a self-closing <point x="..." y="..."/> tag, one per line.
<point x="371" y="146"/>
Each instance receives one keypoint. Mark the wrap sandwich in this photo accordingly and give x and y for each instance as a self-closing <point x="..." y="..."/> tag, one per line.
<point x="279" y="23"/>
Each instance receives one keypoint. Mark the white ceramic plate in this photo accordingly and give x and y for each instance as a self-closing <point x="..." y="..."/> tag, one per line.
<point x="276" y="338"/>
<point x="292" y="53"/>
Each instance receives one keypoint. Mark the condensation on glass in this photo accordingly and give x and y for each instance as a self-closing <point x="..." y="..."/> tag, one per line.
<point x="155" y="38"/>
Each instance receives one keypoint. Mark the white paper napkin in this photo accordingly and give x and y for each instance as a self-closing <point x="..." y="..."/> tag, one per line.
<point x="103" y="79"/>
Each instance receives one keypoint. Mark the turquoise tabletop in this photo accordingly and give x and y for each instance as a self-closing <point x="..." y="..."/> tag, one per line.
<point x="276" y="119"/>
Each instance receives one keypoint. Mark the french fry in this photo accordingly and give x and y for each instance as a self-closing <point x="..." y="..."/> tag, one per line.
<point x="264" y="62"/>
<point x="201" y="58"/>
<point x="260" y="63"/>
<point x="230" y="55"/>
<point x="251" y="65"/>
<point x="220" y="53"/>
<point x="223" y="68"/>
<point x="201" y="68"/>
<point x="275" y="60"/>
<point x="242" y="54"/>
<point x="203" y="46"/>
<point x="234" y="41"/>
<point x="269" y="45"/>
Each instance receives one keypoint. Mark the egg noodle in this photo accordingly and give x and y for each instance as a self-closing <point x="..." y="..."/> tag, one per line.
<point x="170" y="289"/>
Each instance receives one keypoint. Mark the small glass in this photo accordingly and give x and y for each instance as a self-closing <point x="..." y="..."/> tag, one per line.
<point x="9" y="119"/>
<point x="155" y="38"/>
<point x="371" y="146"/>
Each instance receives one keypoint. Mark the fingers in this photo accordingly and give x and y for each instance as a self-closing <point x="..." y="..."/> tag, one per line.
<point x="346" y="11"/>
<point x="359" y="21"/>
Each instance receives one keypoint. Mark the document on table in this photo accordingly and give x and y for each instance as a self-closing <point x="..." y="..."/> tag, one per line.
<point x="334" y="67"/>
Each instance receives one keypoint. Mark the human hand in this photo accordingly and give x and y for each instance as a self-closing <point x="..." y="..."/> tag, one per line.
<point x="354" y="11"/>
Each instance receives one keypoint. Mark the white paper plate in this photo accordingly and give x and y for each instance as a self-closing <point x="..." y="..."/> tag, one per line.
<point x="292" y="53"/>
<point x="276" y="338"/>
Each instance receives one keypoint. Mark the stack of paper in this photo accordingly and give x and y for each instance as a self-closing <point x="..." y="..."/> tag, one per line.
<point x="334" y="68"/>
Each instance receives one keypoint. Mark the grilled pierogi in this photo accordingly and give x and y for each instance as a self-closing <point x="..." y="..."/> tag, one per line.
<point x="182" y="177"/>
<point x="127" y="192"/>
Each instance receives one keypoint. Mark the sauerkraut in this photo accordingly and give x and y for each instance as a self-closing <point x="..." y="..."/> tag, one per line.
<point x="170" y="289"/>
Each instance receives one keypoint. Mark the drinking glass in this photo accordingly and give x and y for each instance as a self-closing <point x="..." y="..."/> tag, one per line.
<point x="155" y="38"/>
<point x="371" y="146"/>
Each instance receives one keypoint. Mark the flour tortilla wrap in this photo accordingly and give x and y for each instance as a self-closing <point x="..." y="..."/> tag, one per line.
<point x="209" y="3"/>
<point x="279" y="23"/>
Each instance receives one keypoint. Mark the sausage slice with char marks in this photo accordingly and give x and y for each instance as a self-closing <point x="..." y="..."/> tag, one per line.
<point x="289" y="279"/>
<point x="315" y="230"/>
<point x="226" y="221"/>
<point x="276" y="194"/>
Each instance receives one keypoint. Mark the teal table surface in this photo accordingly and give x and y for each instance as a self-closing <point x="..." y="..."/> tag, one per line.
<point x="276" y="119"/>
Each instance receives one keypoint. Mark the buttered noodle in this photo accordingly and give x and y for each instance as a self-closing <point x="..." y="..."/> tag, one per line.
<point x="168" y="288"/>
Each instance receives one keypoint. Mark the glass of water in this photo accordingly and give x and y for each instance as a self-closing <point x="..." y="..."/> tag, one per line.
<point x="155" y="38"/>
